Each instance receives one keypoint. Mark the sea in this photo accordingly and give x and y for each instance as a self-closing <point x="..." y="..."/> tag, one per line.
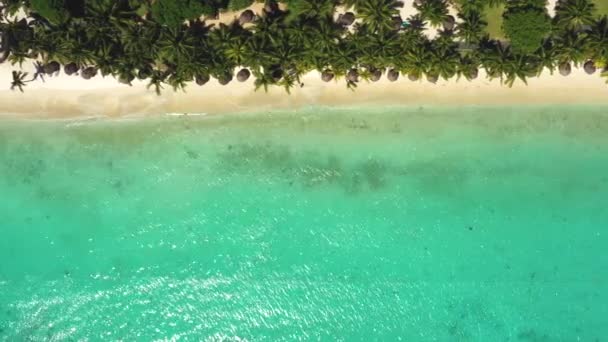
<point x="404" y="223"/>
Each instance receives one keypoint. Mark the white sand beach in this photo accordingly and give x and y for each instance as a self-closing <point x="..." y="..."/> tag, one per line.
<point x="71" y="96"/>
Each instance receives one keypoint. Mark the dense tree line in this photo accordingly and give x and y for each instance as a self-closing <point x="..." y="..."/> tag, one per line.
<point x="168" y="42"/>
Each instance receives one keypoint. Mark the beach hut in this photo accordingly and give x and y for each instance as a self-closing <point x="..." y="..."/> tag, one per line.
<point x="565" y="69"/>
<point x="375" y="75"/>
<point x="327" y="75"/>
<point x="243" y="75"/>
<point x="70" y="68"/>
<point x="589" y="67"/>
<point x="246" y="17"/>
<point x="346" y="19"/>
<point x="392" y="75"/>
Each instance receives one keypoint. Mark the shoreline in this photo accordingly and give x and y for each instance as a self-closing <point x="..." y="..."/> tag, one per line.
<point x="73" y="97"/>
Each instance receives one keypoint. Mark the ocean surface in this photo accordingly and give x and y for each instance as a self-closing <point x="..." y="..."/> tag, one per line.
<point x="353" y="224"/>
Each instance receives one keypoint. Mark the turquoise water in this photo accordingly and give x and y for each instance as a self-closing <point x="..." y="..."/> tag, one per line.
<point x="413" y="224"/>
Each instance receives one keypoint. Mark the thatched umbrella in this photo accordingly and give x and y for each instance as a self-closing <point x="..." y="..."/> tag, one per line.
<point x="225" y="79"/>
<point x="51" y="67"/>
<point x="276" y="74"/>
<point x="392" y="75"/>
<point x="243" y="75"/>
<point x="327" y="75"/>
<point x="352" y="75"/>
<point x="472" y="73"/>
<point x="246" y="17"/>
<point x="271" y="7"/>
<point x="126" y="79"/>
<point x="413" y="77"/>
<point x="397" y="22"/>
<point x="375" y="75"/>
<point x="589" y="67"/>
<point x="448" y="23"/>
<point x="565" y="69"/>
<point x="346" y="19"/>
<point x="432" y="78"/>
<point x="419" y="2"/>
<point x="144" y="72"/>
<point x="88" y="73"/>
<point x="201" y="79"/>
<point x="70" y="68"/>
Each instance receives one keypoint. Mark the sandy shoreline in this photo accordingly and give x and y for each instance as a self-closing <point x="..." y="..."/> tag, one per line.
<point x="73" y="97"/>
<point x="70" y="97"/>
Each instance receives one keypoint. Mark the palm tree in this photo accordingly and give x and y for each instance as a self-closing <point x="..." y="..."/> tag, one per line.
<point x="574" y="14"/>
<point x="519" y="67"/>
<point x="570" y="47"/>
<point x="378" y="14"/>
<point x="471" y="29"/>
<point x="156" y="80"/>
<point x="597" y="40"/>
<point x="435" y="11"/>
<point x="19" y="80"/>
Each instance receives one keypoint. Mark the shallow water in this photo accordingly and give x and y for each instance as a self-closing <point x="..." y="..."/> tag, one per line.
<point x="414" y="224"/>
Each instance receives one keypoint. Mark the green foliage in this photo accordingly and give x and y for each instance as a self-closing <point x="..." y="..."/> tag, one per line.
<point x="435" y="11"/>
<point x="174" y="12"/>
<point x="118" y="38"/>
<point x="526" y="28"/>
<point x="236" y="5"/>
<point x="573" y="14"/>
<point x="53" y="10"/>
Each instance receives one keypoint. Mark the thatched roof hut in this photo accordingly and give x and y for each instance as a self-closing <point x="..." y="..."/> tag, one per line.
<point x="472" y="73"/>
<point x="201" y="79"/>
<point x="70" y="68"/>
<point x="223" y="80"/>
<point x="413" y="77"/>
<point x="271" y="7"/>
<point x="375" y="75"/>
<point x="88" y="73"/>
<point x="432" y="78"/>
<point x="243" y="75"/>
<point x="589" y="67"/>
<point x="346" y="19"/>
<point x="397" y="23"/>
<point x="126" y="79"/>
<point x="565" y="69"/>
<point x="448" y="23"/>
<point x="352" y="75"/>
<point x="392" y="75"/>
<point x="327" y="75"/>
<point x="246" y="17"/>
<point x="51" y="67"/>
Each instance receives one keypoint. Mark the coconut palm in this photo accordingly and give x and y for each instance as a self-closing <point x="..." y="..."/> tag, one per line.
<point x="519" y="67"/>
<point x="433" y="11"/>
<point x="309" y="9"/>
<point x="471" y="29"/>
<point x="570" y="47"/>
<point x="156" y="80"/>
<point x="378" y="14"/>
<point x="19" y="80"/>
<point x="574" y="14"/>
<point x="597" y="40"/>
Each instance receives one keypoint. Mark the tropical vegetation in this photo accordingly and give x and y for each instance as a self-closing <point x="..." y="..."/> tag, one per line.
<point x="170" y="43"/>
